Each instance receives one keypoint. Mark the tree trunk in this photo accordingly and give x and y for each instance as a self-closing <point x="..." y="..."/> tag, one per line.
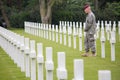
<point x="4" y="14"/>
<point x="42" y="10"/>
<point x="96" y="4"/>
<point x="46" y="10"/>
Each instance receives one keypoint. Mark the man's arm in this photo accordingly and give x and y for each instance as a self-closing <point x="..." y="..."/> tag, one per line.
<point x="89" y="23"/>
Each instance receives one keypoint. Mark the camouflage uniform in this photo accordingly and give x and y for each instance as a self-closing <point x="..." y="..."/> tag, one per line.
<point x="90" y="31"/>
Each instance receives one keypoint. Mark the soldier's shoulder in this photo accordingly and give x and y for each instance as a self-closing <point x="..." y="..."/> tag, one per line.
<point x="92" y="15"/>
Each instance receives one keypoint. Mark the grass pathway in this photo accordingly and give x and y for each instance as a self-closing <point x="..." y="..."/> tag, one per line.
<point x="9" y="70"/>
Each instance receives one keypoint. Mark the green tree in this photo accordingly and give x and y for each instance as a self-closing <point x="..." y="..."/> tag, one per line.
<point x="46" y="10"/>
<point x="53" y="11"/>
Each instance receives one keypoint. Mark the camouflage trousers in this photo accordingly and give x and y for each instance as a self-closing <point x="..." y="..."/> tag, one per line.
<point x="89" y="43"/>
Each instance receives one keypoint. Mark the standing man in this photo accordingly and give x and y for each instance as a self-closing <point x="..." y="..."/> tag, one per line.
<point x="90" y="28"/>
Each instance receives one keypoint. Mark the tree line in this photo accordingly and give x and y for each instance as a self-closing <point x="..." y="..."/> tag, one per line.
<point x="15" y="12"/>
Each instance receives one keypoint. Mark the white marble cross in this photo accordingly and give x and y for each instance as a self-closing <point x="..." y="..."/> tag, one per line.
<point x="57" y="33"/>
<point x="74" y="36"/>
<point x="104" y="75"/>
<point x="78" y="69"/>
<point x="69" y="34"/>
<point x="27" y="57"/>
<point x="112" y="41"/>
<point x="80" y="37"/>
<point x="102" y="41"/>
<point x="33" y="59"/>
<point x="49" y="65"/>
<point x="40" y="60"/>
<point x="61" y="70"/>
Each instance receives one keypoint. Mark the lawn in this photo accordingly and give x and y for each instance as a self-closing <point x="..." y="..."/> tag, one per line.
<point x="91" y="64"/>
<point x="9" y="70"/>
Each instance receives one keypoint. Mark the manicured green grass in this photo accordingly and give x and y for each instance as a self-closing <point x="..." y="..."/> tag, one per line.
<point x="91" y="64"/>
<point x="9" y="70"/>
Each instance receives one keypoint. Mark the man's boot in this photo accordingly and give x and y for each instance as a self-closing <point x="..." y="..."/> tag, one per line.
<point x="93" y="54"/>
<point x="85" y="54"/>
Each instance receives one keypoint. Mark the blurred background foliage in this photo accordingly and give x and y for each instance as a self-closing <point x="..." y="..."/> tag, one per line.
<point x="19" y="11"/>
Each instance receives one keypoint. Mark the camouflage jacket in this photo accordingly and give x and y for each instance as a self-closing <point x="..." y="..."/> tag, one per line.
<point x="90" y="27"/>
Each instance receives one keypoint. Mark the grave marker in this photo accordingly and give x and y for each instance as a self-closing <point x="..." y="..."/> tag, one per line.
<point x="108" y="31"/>
<point x="69" y="34"/>
<point x="33" y="60"/>
<point x="77" y="28"/>
<point x="50" y="32"/>
<point x="74" y="36"/>
<point x="97" y="30"/>
<point x="27" y="59"/>
<point x="102" y="41"/>
<point x="22" y="49"/>
<point x="104" y="75"/>
<point x="53" y="35"/>
<point x="112" y="41"/>
<point x="61" y="70"/>
<point x="64" y="32"/>
<point x="78" y="69"/>
<point x="49" y="64"/>
<point x="57" y="33"/>
<point x="40" y="60"/>
<point x="80" y="37"/>
<point x="47" y="31"/>
<point x="60" y="31"/>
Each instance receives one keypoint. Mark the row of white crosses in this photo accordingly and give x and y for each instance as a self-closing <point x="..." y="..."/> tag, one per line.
<point x="110" y="34"/>
<point x="12" y="44"/>
<point x="9" y="42"/>
<point x="29" y="57"/>
<point x="110" y="31"/>
<point x="108" y="28"/>
<point x="71" y="28"/>
<point x="49" y="31"/>
<point x="25" y="56"/>
<point x="65" y="27"/>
